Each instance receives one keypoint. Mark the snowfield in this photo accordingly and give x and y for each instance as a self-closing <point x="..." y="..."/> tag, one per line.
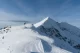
<point x="47" y="36"/>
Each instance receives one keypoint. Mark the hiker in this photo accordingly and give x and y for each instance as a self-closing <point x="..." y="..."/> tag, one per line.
<point x="24" y="23"/>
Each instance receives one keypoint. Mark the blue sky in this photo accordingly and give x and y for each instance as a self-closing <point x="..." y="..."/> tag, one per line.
<point x="36" y="10"/>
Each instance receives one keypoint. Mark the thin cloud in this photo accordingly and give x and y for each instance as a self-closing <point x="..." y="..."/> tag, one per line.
<point x="25" y="8"/>
<point x="10" y="16"/>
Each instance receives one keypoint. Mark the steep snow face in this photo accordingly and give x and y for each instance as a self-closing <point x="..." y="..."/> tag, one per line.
<point x="47" y="22"/>
<point x="74" y="30"/>
<point x="65" y="35"/>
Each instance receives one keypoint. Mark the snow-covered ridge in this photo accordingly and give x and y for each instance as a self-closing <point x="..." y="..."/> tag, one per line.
<point x="46" y="36"/>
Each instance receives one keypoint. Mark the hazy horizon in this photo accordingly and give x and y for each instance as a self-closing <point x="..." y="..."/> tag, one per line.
<point x="36" y="10"/>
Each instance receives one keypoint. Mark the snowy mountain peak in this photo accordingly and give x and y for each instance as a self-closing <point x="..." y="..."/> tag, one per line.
<point x="49" y="37"/>
<point x="46" y="22"/>
<point x="47" y="18"/>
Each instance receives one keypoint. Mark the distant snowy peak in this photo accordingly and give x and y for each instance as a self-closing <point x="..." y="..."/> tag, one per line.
<point x="47" y="22"/>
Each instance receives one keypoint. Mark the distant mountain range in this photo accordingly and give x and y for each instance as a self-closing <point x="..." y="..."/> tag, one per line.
<point x="15" y="20"/>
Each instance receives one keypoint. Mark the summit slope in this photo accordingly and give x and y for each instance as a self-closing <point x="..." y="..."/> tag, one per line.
<point x="65" y="35"/>
<point x="47" y="22"/>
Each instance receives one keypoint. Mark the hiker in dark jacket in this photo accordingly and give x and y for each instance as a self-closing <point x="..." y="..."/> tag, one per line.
<point x="24" y="23"/>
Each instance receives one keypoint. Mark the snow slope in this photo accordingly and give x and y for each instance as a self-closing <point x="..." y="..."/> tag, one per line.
<point x="21" y="39"/>
<point x="65" y="35"/>
<point x="47" y="36"/>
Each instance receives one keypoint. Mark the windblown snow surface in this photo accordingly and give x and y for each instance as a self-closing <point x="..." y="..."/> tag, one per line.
<point x="47" y="36"/>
